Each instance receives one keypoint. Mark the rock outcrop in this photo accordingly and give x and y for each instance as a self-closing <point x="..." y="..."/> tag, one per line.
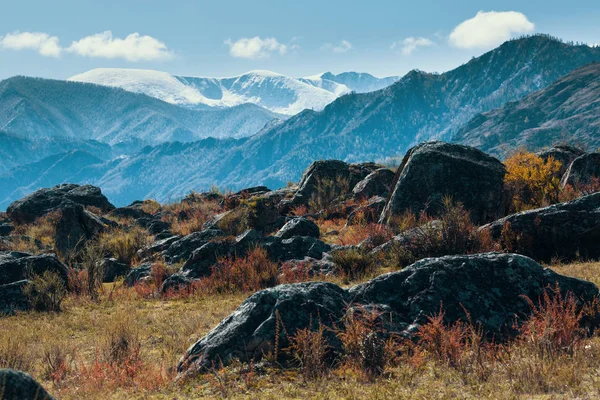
<point x="431" y="171"/>
<point x="75" y="227"/>
<point x="582" y="171"/>
<point x="15" y="266"/>
<point x="488" y="286"/>
<point x="299" y="227"/>
<point x="565" y="231"/>
<point x="17" y="385"/>
<point x="377" y="183"/>
<point x="563" y="154"/>
<point x="44" y="201"/>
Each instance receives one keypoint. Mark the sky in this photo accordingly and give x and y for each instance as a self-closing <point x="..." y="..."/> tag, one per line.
<point x="61" y="38"/>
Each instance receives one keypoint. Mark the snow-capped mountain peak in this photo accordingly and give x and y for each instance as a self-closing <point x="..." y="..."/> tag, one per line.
<point x="268" y="89"/>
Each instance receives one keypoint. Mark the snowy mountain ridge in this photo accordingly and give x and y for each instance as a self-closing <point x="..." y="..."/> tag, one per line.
<point x="276" y="92"/>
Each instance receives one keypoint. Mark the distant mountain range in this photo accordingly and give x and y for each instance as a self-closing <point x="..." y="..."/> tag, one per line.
<point x="34" y="109"/>
<point x="355" y="127"/>
<point x="568" y="111"/>
<point x="275" y="92"/>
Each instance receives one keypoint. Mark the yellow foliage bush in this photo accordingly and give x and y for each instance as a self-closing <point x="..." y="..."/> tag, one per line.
<point x="531" y="181"/>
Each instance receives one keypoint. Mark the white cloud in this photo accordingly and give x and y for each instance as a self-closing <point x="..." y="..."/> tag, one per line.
<point x="343" y="47"/>
<point x="134" y="47"/>
<point x="410" y="44"/>
<point x="489" y="29"/>
<point x="255" y="47"/>
<point x="41" y="42"/>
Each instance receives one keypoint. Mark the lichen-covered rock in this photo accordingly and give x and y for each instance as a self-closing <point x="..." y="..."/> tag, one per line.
<point x="490" y="287"/>
<point x="563" y="154"/>
<point x="582" y="171"/>
<point x="75" y="227"/>
<point x="377" y="183"/>
<point x="44" y="201"/>
<point x="299" y="227"/>
<point x="368" y="213"/>
<point x="204" y="258"/>
<point x="341" y="176"/>
<point x="139" y="274"/>
<point x="13" y="298"/>
<point x="15" y="266"/>
<point x="112" y="269"/>
<point x="249" y="332"/>
<point x="295" y="248"/>
<point x="183" y="248"/>
<point x="431" y="171"/>
<point x="17" y="385"/>
<point x="566" y="231"/>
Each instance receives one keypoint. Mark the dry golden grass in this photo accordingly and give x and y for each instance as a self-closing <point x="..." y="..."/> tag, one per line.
<point x="68" y="351"/>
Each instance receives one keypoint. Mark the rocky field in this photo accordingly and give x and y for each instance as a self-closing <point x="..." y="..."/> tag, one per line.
<point x="426" y="281"/>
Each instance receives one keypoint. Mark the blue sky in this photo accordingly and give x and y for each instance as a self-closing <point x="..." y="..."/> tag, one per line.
<point x="61" y="38"/>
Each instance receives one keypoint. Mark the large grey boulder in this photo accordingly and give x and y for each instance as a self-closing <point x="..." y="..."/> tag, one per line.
<point x="183" y="248"/>
<point x="566" y="231"/>
<point x="204" y="258"/>
<point x="299" y="227"/>
<point x="377" y="183"/>
<point x="16" y="266"/>
<point x="342" y="177"/>
<point x="490" y="287"/>
<point x="249" y="332"/>
<point x="75" y="227"/>
<point x="13" y="298"/>
<point x="113" y="270"/>
<point x="563" y="154"/>
<point x="431" y="171"/>
<point x="295" y="248"/>
<point x="582" y="171"/>
<point x="44" y="201"/>
<point x="17" y="385"/>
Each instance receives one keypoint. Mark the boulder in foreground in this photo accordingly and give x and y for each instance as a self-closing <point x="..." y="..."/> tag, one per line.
<point x="17" y="385"/>
<point x="489" y="286"/>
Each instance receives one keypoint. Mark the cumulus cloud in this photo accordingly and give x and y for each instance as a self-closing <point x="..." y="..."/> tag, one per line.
<point x="255" y="47"/>
<point x="343" y="47"/>
<point x="410" y="44"/>
<point x="489" y="29"/>
<point x="134" y="47"/>
<point x="41" y="42"/>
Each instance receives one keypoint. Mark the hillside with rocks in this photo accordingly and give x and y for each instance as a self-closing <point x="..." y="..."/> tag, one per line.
<point x="353" y="256"/>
